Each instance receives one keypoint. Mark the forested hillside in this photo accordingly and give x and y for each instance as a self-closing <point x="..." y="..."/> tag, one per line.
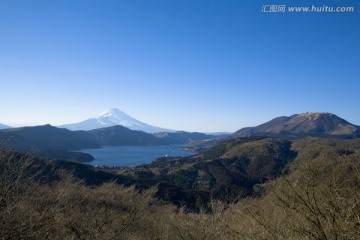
<point x="310" y="191"/>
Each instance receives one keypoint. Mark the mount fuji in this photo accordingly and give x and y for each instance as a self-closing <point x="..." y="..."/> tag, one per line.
<point x="112" y="117"/>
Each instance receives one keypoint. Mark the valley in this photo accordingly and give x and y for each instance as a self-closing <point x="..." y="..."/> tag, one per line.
<point x="238" y="185"/>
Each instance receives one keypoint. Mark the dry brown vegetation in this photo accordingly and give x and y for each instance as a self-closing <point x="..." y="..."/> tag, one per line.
<point x="319" y="199"/>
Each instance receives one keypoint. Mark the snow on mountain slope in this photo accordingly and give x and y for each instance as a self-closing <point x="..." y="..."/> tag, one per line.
<point x="112" y="117"/>
<point x="3" y="126"/>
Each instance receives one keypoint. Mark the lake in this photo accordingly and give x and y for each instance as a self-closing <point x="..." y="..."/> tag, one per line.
<point x="133" y="155"/>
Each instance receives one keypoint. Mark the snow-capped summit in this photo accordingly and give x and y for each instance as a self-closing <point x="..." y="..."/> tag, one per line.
<point x="112" y="117"/>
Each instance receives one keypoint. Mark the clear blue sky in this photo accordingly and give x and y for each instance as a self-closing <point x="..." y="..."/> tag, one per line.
<point x="211" y="65"/>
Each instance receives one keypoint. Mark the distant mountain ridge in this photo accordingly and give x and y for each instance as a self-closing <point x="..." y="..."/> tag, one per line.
<point x="46" y="137"/>
<point x="113" y="117"/>
<point x="122" y="136"/>
<point x="61" y="142"/>
<point x="182" y="137"/>
<point x="316" y="124"/>
<point x="3" y="126"/>
<point x="305" y="124"/>
<point x="50" y="141"/>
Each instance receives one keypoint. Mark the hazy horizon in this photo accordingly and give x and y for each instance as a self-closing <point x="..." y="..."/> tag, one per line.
<point x="231" y="131"/>
<point x="206" y="66"/>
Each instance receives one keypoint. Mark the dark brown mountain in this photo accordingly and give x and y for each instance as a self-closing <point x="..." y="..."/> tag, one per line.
<point x="306" y="124"/>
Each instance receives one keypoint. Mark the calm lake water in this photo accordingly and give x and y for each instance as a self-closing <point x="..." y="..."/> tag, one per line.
<point x="132" y="155"/>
